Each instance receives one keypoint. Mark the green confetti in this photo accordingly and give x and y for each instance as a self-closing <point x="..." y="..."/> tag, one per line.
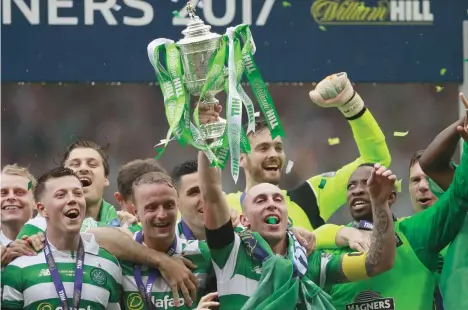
<point x="29" y="185"/>
<point x="323" y="28"/>
<point x="400" y="133"/>
<point x="322" y="183"/>
<point x="439" y="89"/>
<point x="398" y="185"/>
<point x="333" y="141"/>
<point x="176" y="13"/>
<point x="286" y="4"/>
<point x="443" y="71"/>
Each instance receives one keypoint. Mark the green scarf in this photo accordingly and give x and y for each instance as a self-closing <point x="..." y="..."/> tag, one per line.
<point x="283" y="281"/>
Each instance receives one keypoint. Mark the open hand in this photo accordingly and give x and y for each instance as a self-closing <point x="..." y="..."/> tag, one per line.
<point x="179" y="277"/>
<point x="381" y="183"/>
<point x="305" y="238"/>
<point x="126" y="218"/>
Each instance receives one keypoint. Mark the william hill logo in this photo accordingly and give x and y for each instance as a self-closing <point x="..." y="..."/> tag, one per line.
<point x="381" y="12"/>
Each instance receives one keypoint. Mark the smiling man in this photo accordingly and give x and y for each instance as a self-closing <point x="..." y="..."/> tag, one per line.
<point x="156" y="201"/>
<point x="72" y="271"/>
<point x="89" y="161"/>
<point x="421" y="195"/>
<point x="17" y="201"/>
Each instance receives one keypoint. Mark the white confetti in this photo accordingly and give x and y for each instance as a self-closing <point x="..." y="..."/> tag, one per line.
<point x="257" y="114"/>
<point x="289" y="166"/>
<point x="117" y="7"/>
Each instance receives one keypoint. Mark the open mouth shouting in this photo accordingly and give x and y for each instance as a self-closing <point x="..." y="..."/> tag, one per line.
<point x="272" y="220"/>
<point x="425" y="201"/>
<point x="72" y="213"/>
<point x="85" y="181"/>
<point x="359" y="203"/>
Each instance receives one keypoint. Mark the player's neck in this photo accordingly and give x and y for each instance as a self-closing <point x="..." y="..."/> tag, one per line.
<point x="160" y="245"/>
<point x="279" y="247"/>
<point x="68" y="241"/>
<point x="249" y="182"/>
<point x="198" y="232"/>
<point x="11" y="229"/>
<point x="93" y="209"/>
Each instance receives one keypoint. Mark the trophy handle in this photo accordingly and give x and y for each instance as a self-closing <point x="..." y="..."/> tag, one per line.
<point x="210" y="99"/>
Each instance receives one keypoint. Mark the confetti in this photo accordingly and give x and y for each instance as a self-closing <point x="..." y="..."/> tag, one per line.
<point x="257" y="114"/>
<point x="289" y="166"/>
<point x="286" y="4"/>
<point x="333" y="141"/>
<point x="439" y="89"/>
<point x="117" y="7"/>
<point x="176" y="13"/>
<point x="400" y="133"/>
<point x="29" y="185"/>
<point x="323" y="28"/>
<point x="398" y="185"/>
<point x="443" y="71"/>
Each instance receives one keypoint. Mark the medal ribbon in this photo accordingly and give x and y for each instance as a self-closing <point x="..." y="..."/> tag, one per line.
<point x="146" y="289"/>
<point x="54" y="273"/>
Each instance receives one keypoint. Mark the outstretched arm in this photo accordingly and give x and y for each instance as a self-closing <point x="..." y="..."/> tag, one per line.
<point x="327" y="192"/>
<point x="217" y="212"/>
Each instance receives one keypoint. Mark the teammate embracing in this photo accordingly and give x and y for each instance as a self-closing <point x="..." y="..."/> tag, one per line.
<point x="72" y="271"/>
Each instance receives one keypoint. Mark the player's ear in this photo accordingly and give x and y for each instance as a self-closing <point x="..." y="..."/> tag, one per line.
<point x="244" y="221"/>
<point x="41" y="209"/>
<point x="392" y="198"/>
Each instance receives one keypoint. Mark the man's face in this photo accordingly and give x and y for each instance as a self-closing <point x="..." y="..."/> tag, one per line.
<point x="17" y="201"/>
<point x="190" y="200"/>
<point x="265" y="162"/>
<point x="88" y="165"/>
<point x="63" y="204"/>
<point x="157" y="209"/>
<point x="262" y="202"/>
<point x="421" y="195"/>
<point x="358" y="197"/>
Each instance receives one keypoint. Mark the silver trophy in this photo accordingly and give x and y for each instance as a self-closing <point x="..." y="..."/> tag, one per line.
<point x="196" y="49"/>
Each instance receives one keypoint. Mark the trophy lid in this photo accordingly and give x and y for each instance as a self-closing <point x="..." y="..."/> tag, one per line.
<point x="196" y="30"/>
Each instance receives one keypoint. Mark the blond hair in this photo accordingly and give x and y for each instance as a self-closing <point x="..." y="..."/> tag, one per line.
<point x="152" y="178"/>
<point x="20" y="171"/>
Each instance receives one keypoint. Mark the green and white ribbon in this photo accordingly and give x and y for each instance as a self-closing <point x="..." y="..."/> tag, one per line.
<point x="258" y="85"/>
<point x="176" y="97"/>
<point x="234" y="110"/>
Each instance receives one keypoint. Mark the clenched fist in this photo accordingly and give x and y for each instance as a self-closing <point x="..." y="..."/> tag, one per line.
<point x="336" y="91"/>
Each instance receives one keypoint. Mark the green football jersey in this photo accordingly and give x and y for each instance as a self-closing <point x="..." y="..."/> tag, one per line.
<point x="238" y="274"/>
<point x="27" y="283"/>
<point x="162" y="296"/>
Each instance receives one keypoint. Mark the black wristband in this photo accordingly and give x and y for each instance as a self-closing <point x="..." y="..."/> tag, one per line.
<point x="221" y="237"/>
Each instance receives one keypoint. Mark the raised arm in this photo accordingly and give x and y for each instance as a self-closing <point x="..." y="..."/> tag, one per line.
<point x="216" y="212"/>
<point x="436" y="159"/>
<point x="328" y="191"/>
<point x="432" y="230"/>
<point x="381" y="255"/>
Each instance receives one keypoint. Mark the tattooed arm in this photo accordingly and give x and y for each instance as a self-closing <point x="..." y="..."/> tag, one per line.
<point x="381" y="255"/>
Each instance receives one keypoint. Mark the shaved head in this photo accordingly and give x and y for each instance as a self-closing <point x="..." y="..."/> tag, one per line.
<point x="259" y="189"/>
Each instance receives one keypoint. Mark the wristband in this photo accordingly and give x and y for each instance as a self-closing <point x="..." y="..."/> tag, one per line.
<point x="353" y="107"/>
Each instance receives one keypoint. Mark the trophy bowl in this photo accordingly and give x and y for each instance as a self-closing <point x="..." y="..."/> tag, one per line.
<point x="196" y="49"/>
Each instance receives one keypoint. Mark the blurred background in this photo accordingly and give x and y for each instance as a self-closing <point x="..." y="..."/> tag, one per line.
<point x="69" y="76"/>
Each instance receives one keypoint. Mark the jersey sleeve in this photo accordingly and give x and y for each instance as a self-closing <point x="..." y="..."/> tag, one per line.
<point x="330" y="188"/>
<point x="327" y="269"/>
<point x="29" y="230"/>
<point x="12" y="287"/>
<point x="325" y="236"/>
<point x="224" y="246"/>
<point x="431" y="230"/>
